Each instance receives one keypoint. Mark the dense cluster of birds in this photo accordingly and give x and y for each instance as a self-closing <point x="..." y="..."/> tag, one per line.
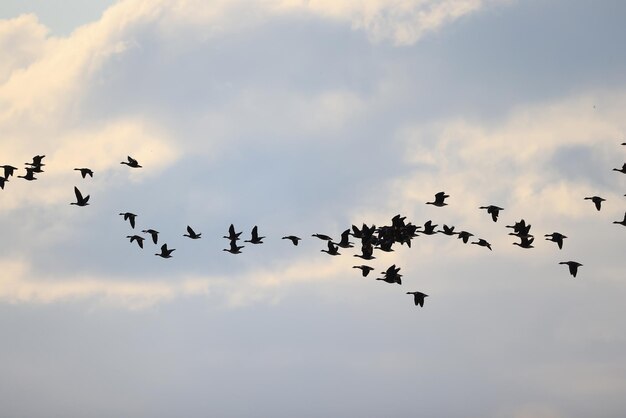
<point x="381" y="238"/>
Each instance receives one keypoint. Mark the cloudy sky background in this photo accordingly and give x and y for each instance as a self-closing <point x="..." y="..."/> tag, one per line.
<point x="306" y="117"/>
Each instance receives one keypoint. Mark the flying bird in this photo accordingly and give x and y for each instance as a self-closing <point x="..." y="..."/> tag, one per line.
<point x="8" y="171"/>
<point x="232" y="235"/>
<point x="29" y="174"/>
<point x="482" y="243"/>
<point x="365" y="270"/>
<point x="294" y="240"/>
<point x="526" y="241"/>
<point x="234" y="248"/>
<point x="621" y="170"/>
<point x="255" y="239"/>
<point x="573" y="266"/>
<point x="80" y="200"/>
<point x="464" y="235"/>
<point x="418" y="297"/>
<point x="322" y="237"/>
<point x="622" y="222"/>
<point x="597" y="200"/>
<point x="345" y="240"/>
<point x="130" y="217"/>
<point x="37" y="161"/>
<point x="136" y="238"/>
<point x="439" y="199"/>
<point x="2" y="181"/>
<point x="429" y="228"/>
<point x="366" y="252"/>
<point x="448" y="230"/>
<point x="332" y="249"/>
<point x="191" y="233"/>
<point x="493" y="210"/>
<point x="556" y="237"/>
<point x="132" y="163"/>
<point x="84" y="172"/>
<point x="154" y="234"/>
<point x="165" y="252"/>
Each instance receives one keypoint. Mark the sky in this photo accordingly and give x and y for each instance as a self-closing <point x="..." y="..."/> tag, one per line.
<point x="306" y="117"/>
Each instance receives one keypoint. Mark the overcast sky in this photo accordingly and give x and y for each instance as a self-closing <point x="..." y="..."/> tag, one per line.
<point x="306" y="117"/>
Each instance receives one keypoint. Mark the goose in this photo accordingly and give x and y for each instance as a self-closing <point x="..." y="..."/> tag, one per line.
<point x="623" y="222"/>
<point x="154" y="234"/>
<point x="448" y="230"/>
<point x="597" y="200"/>
<point x="37" y="161"/>
<point x="2" y="181"/>
<point x="136" y="238"/>
<point x="464" y="235"/>
<point x="8" y="170"/>
<point x="29" y="175"/>
<point x="439" y="199"/>
<point x="165" y="252"/>
<point x="80" y="200"/>
<point x="293" y="239"/>
<point x="322" y="237"/>
<point x="84" y="172"/>
<point x="332" y="249"/>
<point x="391" y="275"/>
<point x="130" y="217"/>
<point x="255" y="239"/>
<point x="234" y="248"/>
<point x="232" y="235"/>
<point x="418" y="297"/>
<point x="132" y="163"/>
<point x="482" y="243"/>
<point x="526" y="241"/>
<point x="429" y="228"/>
<point x="345" y="240"/>
<point x="621" y="170"/>
<point x="366" y="252"/>
<point x="365" y="270"/>
<point x="573" y="266"/>
<point x="493" y="210"/>
<point x="191" y="233"/>
<point x="556" y="237"/>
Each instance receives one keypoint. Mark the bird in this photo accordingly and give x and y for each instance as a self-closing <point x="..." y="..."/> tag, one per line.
<point x="136" y="238"/>
<point x="429" y="228"/>
<point x="597" y="200"/>
<point x="345" y="240"/>
<point x="365" y="270"/>
<point x="37" y="161"/>
<point x="29" y="174"/>
<point x="623" y="222"/>
<point x="165" y="252"/>
<point x="482" y="243"/>
<point x="332" y="249"/>
<point x="294" y="240"/>
<point x="191" y="233"/>
<point x="132" y="163"/>
<point x="8" y="170"/>
<point x="2" y="181"/>
<point x="526" y="241"/>
<point x="621" y="170"/>
<point x="130" y="217"/>
<point x="232" y="235"/>
<point x="366" y="252"/>
<point x="80" y="200"/>
<point x="391" y="275"/>
<point x="556" y="237"/>
<point x="493" y="210"/>
<point x="234" y="248"/>
<point x="573" y="266"/>
<point x="418" y="297"/>
<point x="84" y="172"/>
<point x="322" y="237"/>
<point x="448" y="230"/>
<point x="255" y="239"/>
<point x="464" y="235"/>
<point x="154" y="234"/>
<point x="439" y="199"/>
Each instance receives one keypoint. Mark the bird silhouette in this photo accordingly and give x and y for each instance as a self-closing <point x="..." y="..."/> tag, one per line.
<point x="556" y="237"/>
<point x="525" y="241"/>
<point x="322" y="237"/>
<point x="80" y="200"/>
<point x="255" y="239"/>
<point x="84" y="172"/>
<point x="29" y="175"/>
<point x="332" y="249"/>
<point x="154" y="234"/>
<point x="429" y="228"/>
<point x="439" y="199"/>
<point x="366" y="252"/>
<point x="232" y="235"/>
<point x="573" y="266"/>
<point x="2" y="181"/>
<point x="8" y="170"/>
<point x="448" y="230"/>
<point x="294" y="240"/>
<point x="191" y="233"/>
<point x="365" y="270"/>
<point x="621" y="170"/>
<point x="493" y="210"/>
<point x="482" y="243"/>
<point x="130" y="217"/>
<point x="464" y="235"/>
<point x="622" y="222"/>
<point x="418" y="297"/>
<point x="136" y="238"/>
<point x="234" y="248"/>
<point x="597" y="200"/>
<point x="345" y="240"/>
<point x="391" y="275"/>
<point x="165" y="252"/>
<point x="132" y="163"/>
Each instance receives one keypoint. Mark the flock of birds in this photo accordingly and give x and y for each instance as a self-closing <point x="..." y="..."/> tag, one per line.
<point x="381" y="238"/>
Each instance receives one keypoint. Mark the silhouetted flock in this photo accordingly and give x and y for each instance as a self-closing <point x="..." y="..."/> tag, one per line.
<point x="371" y="238"/>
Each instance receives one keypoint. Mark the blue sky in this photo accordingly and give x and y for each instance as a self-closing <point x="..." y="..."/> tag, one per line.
<point x="307" y="117"/>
